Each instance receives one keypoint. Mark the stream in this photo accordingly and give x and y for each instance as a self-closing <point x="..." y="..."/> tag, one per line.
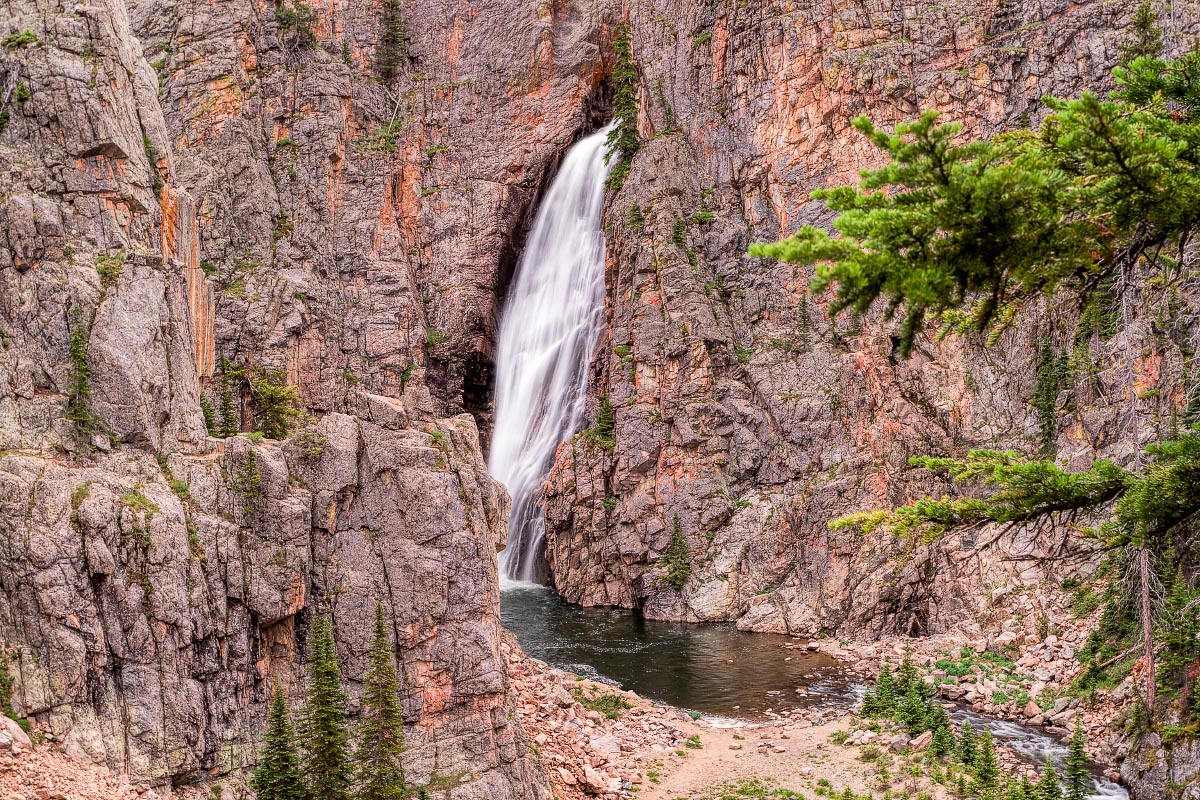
<point x="722" y="673"/>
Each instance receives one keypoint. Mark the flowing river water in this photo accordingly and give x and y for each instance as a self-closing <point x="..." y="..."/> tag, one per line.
<point x="547" y="336"/>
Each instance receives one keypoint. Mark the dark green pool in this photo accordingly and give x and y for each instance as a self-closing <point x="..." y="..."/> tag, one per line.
<point x="713" y="669"/>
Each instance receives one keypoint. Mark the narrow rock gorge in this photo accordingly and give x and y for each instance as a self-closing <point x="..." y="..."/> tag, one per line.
<point x="253" y="258"/>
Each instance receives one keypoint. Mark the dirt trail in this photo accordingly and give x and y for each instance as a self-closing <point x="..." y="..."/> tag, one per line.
<point x="791" y="756"/>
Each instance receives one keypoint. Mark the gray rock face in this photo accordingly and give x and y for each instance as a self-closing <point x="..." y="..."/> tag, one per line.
<point x="740" y="409"/>
<point x="357" y="228"/>
<point x="1155" y="770"/>
<point x="239" y="204"/>
<point x="149" y="626"/>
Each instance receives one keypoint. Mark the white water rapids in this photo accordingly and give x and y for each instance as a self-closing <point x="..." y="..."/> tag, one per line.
<point x="554" y="316"/>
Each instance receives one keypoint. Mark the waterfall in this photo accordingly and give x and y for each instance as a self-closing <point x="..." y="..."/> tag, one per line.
<point x="547" y="334"/>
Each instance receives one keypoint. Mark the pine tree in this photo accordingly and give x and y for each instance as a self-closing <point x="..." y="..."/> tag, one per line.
<point x="885" y="691"/>
<point x="380" y="775"/>
<point x="986" y="768"/>
<point x="967" y="746"/>
<point x="326" y="740"/>
<point x="911" y="711"/>
<point x="935" y="716"/>
<point x="1145" y="37"/>
<point x="1179" y="660"/>
<point x="942" y="745"/>
<point x="210" y="416"/>
<point x="907" y="677"/>
<point x="623" y="139"/>
<point x="393" y="40"/>
<point x="675" y="557"/>
<point x="1076" y="778"/>
<point x="870" y="704"/>
<point x="229" y="419"/>
<point x="1015" y="790"/>
<point x="1047" y="786"/>
<point x="277" y="776"/>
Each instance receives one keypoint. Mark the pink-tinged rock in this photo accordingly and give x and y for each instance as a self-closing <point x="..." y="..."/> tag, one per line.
<point x="922" y="741"/>
<point x="593" y="781"/>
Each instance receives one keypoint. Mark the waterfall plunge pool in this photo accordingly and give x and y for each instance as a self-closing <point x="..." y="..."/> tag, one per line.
<point x="547" y="336"/>
<point x="712" y="668"/>
<point x="715" y="669"/>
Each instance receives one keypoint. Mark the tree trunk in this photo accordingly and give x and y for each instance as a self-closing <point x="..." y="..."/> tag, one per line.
<point x="1147" y="613"/>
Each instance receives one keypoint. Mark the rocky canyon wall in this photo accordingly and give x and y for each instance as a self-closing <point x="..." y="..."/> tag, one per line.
<point x="742" y="412"/>
<point x="335" y="192"/>
<point x="339" y="192"/>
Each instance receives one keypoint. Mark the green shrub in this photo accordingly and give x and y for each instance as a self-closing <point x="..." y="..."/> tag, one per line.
<point x="675" y="557"/>
<point x="623" y="139"/>
<point x="602" y="433"/>
<point x="247" y="480"/>
<point x="382" y="139"/>
<point x="156" y="181"/>
<point x="78" y="407"/>
<point x="108" y="267"/>
<point x="610" y="705"/>
<point x="679" y="233"/>
<point x="139" y="502"/>
<point x="636" y="218"/>
<point x="296" y="22"/>
<point x="283" y="226"/>
<point x="6" y="687"/>
<point x="1083" y="602"/>
<point x="16" y="41"/>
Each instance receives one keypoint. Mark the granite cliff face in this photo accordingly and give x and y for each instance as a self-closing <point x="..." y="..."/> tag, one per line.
<point x="187" y="185"/>
<point x="339" y="194"/>
<point x="741" y="410"/>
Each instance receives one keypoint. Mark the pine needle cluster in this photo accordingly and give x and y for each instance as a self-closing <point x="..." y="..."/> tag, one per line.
<point x="970" y="232"/>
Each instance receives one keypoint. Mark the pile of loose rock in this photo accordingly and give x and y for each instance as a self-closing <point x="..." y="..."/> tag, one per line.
<point x="42" y="773"/>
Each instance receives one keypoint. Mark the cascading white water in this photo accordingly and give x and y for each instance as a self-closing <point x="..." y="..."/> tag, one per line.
<point x="554" y="315"/>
